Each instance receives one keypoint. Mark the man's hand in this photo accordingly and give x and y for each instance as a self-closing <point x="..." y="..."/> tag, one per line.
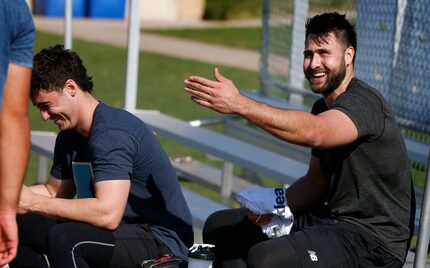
<point x="8" y="237"/>
<point x="258" y="219"/>
<point x="220" y="95"/>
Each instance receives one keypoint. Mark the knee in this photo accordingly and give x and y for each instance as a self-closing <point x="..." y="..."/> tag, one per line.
<point x="273" y="254"/>
<point x="62" y="236"/>
<point x="259" y="256"/>
<point x="209" y="229"/>
<point x="218" y="221"/>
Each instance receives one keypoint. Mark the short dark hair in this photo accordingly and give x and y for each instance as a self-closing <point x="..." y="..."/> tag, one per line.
<point x="53" y="66"/>
<point x="324" y="24"/>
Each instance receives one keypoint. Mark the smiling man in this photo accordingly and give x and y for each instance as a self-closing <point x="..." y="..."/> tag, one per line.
<point x="355" y="206"/>
<point x="133" y="209"/>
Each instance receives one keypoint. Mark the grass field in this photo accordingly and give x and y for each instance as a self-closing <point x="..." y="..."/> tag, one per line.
<point x="160" y="79"/>
<point x="228" y="9"/>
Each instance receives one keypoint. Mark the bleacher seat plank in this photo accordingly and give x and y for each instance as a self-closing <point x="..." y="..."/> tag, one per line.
<point x="201" y="207"/>
<point x="241" y="153"/>
<point x="207" y="175"/>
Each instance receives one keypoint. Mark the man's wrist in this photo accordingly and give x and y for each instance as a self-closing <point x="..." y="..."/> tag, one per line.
<point x="6" y="213"/>
<point x="242" y="106"/>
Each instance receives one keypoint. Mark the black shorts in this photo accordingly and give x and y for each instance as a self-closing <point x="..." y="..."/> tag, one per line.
<point x="135" y="243"/>
<point x="335" y="245"/>
<point x="315" y="241"/>
<point x="76" y="244"/>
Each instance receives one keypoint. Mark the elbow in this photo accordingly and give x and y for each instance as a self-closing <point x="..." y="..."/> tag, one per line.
<point x="110" y="221"/>
<point x="317" y="142"/>
<point x="313" y="139"/>
<point x="110" y="224"/>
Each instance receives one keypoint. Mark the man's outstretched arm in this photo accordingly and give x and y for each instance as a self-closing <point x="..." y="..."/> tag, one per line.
<point x="329" y="129"/>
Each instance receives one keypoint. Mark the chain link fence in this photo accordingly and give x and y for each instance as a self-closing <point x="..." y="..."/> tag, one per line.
<point x="394" y="40"/>
<point x="393" y="43"/>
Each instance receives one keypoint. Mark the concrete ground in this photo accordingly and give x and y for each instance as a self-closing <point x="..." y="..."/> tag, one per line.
<point x="114" y="32"/>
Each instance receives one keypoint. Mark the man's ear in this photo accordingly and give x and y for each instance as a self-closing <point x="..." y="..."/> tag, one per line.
<point x="349" y="55"/>
<point x="71" y="87"/>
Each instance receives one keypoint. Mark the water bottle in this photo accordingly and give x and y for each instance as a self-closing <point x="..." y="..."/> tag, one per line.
<point x="201" y="256"/>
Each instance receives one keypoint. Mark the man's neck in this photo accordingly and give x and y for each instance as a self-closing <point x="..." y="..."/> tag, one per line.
<point x="332" y="96"/>
<point x="86" y="115"/>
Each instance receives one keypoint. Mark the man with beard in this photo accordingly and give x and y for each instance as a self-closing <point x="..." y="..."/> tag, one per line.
<point x="355" y="206"/>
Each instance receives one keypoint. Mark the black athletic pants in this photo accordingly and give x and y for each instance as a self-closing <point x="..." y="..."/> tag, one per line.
<point x="79" y="245"/>
<point x="317" y="240"/>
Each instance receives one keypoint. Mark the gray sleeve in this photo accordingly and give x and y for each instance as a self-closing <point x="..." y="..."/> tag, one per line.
<point x="366" y="111"/>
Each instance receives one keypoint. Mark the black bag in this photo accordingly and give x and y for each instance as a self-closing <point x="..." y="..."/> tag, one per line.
<point x="167" y="261"/>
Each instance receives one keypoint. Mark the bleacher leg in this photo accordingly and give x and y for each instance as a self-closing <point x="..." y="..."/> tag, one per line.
<point x="226" y="182"/>
<point x="424" y="228"/>
<point x="41" y="171"/>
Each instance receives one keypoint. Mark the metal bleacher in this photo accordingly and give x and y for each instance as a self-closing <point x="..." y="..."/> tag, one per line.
<point x="232" y="150"/>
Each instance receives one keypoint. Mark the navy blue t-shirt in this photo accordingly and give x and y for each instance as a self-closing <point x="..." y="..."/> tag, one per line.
<point x="121" y="147"/>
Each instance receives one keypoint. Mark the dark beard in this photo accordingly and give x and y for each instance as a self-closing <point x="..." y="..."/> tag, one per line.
<point x="333" y="82"/>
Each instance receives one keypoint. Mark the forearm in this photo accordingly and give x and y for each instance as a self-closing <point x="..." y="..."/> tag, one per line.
<point x="305" y="194"/>
<point x="105" y="210"/>
<point x="89" y="210"/>
<point x="14" y="135"/>
<point x="310" y="190"/>
<point x="14" y="151"/>
<point x="293" y="126"/>
<point x="42" y="189"/>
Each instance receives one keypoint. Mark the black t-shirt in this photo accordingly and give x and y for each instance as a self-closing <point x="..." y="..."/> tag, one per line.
<point x="370" y="178"/>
